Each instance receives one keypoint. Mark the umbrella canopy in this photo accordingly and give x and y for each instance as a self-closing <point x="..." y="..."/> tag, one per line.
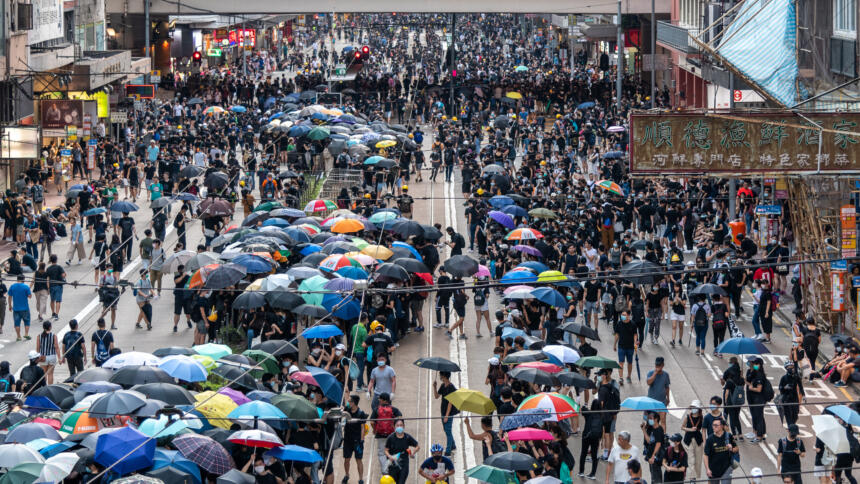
<point x="321" y="331"/>
<point x="533" y="375"/>
<point x="56" y="393"/>
<point x="236" y="476"/>
<point x="597" y="362"/>
<point x="492" y="475"/>
<point x="295" y="406"/>
<point x="276" y="347"/>
<point x="581" y="330"/>
<point x="295" y="453"/>
<point x="709" y="289"/>
<point x="126" y="449"/>
<point x="215" y="407"/>
<point x="611" y="187"/>
<point x="543" y="213"/>
<point x="524" y="233"/>
<point x="162" y="427"/>
<point x="58" y="467"/>
<point x="577" y="380"/>
<point x="129" y="376"/>
<point x="436" y="363"/>
<point x="205" y="452"/>
<point x="27" y="473"/>
<point x="184" y="368"/>
<point x="256" y="438"/>
<point x="847" y="415"/>
<point x="132" y="358"/>
<point x="320" y="205"/>
<point x="644" y="404"/>
<point x="461" y="266"/>
<point x="524" y="356"/>
<point x="550" y="296"/>
<point x="502" y="218"/>
<point x="512" y="461"/>
<point x="640" y="271"/>
<point x="525" y="418"/>
<point x="12" y="454"/>
<point x="167" y="392"/>
<point x="559" y="406"/>
<point x="474" y="401"/>
<point x="122" y="402"/>
<point x="256" y="409"/>
<point x="331" y="388"/>
<point x="742" y="346"/>
<point x="213" y="350"/>
<point x="530" y="434"/>
<point x="563" y="354"/>
<point x="172" y="351"/>
<point x="832" y="433"/>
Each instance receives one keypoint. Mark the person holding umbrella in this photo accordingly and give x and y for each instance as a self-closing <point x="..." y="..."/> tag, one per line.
<point x="448" y="410"/>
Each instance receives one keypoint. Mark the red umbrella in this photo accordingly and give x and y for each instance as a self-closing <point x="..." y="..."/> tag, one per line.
<point x="540" y="365"/>
<point x="304" y="377"/>
<point x="528" y="433"/>
<point x="425" y="277"/>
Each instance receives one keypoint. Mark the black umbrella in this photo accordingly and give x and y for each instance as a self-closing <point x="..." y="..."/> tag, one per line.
<point x="310" y="310"/>
<point x="400" y="252"/>
<point x="251" y="220"/>
<point x="55" y="393"/>
<point x="212" y="207"/>
<point x="411" y="265"/>
<point x="533" y="375"/>
<point x="524" y="356"/>
<point x="129" y="376"/>
<point x="709" y="289"/>
<point x="238" y="359"/>
<point x="581" y="330"/>
<point x="407" y="228"/>
<point x="641" y="244"/>
<point x="385" y="164"/>
<point x="308" y="95"/>
<point x="576" y="380"/>
<point x="236" y="376"/>
<point x="191" y="171"/>
<point x="313" y="260"/>
<point x="461" y="266"/>
<point x="276" y="347"/>
<point x="518" y="199"/>
<point x="11" y="419"/>
<point x="151" y="407"/>
<point x="501" y="122"/>
<point x="235" y="476"/>
<point x="501" y="181"/>
<point x="283" y="299"/>
<point x="436" y="363"/>
<point x="93" y="374"/>
<point x="288" y="174"/>
<point x="173" y="350"/>
<point x="160" y="203"/>
<point x="512" y="461"/>
<point x="321" y="237"/>
<point x="249" y="300"/>
<point x="431" y="233"/>
<point x="640" y="271"/>
<point x="225" y="276"/>
<point x="216" y="180"/>
<point x="348" y="91"/>
<point x="392" y="271"/>
<point x="166" y="392"/>
<point x="171" y="475"/>
<point x="122" y="402"/>
<point x="194" y="100"/>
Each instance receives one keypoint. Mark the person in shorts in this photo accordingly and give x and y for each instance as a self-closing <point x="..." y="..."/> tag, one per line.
<point x="353" y="437"/>
<point x="47" y="347"/>
<point x="19" y="295"/>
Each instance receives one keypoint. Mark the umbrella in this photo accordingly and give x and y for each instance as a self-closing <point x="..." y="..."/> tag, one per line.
<point x="320" y="205"/>
<point x="12" y="454"/>
<point x="256" y="409"/>
<point x="530" y="434"/>
<point x="213" y="110"/>
<point x="519" y="277"/>
<point x="151" y="407"/>
<point x="216" y="407"/>
<point x="742" y="346"/>
<point x="581" y="330"/>
<point x="499" y="201"/>
<point x="524" y="418"/>
<point x="184" y="368"/>
<point x="847" y="414"/>
<point x="492" y="475"/>
<point x="295" y="406"/>
<point x="191" y="171"/>
<point x="225" y="276"/>
<point x="256" y="438"/>
<point x="533" y="375"/>
<point x="559" y="406"/>
<point x="461" y="266"/>
<point x="122" y="402"/>
<point x="162" y="427"/>
<point x="94" y="211"/>
<point x="576" y="380"/>
<point x="167" y="392"/>
<point x="436" y="363"/>
<point x="597" y="362"/>
<point x="27" y="473"/>
<point x="709" y="289"/>
<point x="56" y="393"/>
<point x="31" y="431"/>
<point x="205" y="452"/>
<point x="126" y="449"/>
<point x="216" y="180"/>
<point x="276" y="347"/>
<point x="638" y="370"/>
<point x="527" y="249"/>
<point x="294" y="453"/>
<point x="329" y="385"/>
<point x="160" y="203"/>
<point x="612" y="155"/>
<point x="213" y="350"/>
<point x="236" y="476"/>
<point x="474" y="401"/>
<point x="123" y="206"/>
<point x="249" y="300"/>
<point x="502" y="218"/>
<point x="236" y="376"/>
<point x="377" y="252"/>
<point x="585" y="105"/>
<point x="172" y="475"/>
<point x="832" y="433"/>
<point x="132" y="358"/>
<point x="543" y="213"/>
<point x="644" y="404"/>
<point x="640" y="271"/>
<point x="172" y="351"/>
<point x="562" y="353"/>
<point x="128" y="376"/>
<point x="513" y="461"/>
<point x="58" y="467"/>
<point x="392" y="271"/>
<point x="550" y="296"/>
<point x="215" y="208"/>
<point x="411" y="265"/>
<point x="283" y="299"/>
<point x="611" y="187"/>
<point x="322" y="331"/>
<point x="524" y="356"/>
<point x="524" y="233"/>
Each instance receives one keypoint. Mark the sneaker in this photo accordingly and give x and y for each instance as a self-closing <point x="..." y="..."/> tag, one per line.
<point x="419" y="329"/>
<point x="463" y="336"/>
<point x="672" y="343"/>
<point x="18" y="338"/>
<point x="621" y="382"/>
<point x="344" y="480"/>
<point x="55" y="317"/>
<point x="581" y="474"/>
<point x="479" y="335"/>
<point x="629" y="380"/>
<point x="175" y="329"/>
<point x="397" y="345"/>
<point x="27" y="338"/>
<point x="69" y="262"/>
<point x="592" y="477"/>
<point x="755" y="440"/>
<point x="840" y="384"/>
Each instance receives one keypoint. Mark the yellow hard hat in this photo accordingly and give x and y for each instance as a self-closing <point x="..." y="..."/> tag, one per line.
<point x="405" y="187"/>
<point x="116" y="165"/>
<point x="241" y="183"/>
<point x="480" y="191"/>
<point x="513" y="116"/>
<point x="453" y="118"/>
<point x="386" y="479"/>
<point x="411" y="135"/>
<point x="444" y="117"/>
<point x="675" y="258"/>
<point x="543" y="163"/>
<point x="367" y="195"/>
<point x="557" y="116"/>
<point x="375" y="324"/>
<point x="214" y="316"/>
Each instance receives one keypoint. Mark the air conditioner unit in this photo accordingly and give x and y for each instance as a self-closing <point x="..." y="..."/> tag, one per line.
<point x="713" y="11"/>
<point x="25" y="16"/>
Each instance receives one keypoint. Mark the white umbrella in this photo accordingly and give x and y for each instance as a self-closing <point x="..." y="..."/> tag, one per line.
<point x="544" y="480"/>
<point x="562" y="353"/>
<point x="132" y="358"/>
<point x="831" y="432"/>
<point x="58" y="467"/>
<point x="14" y="454"/>
<point x="254" y="438"/>
<point x="176" y="259"/>
<point x="277" y="281"/>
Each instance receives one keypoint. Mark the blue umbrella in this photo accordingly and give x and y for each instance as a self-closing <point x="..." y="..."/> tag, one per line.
<point x="514" y="211"/>
<point x="348" y="118"/>
<point x="847" y="415"/>
<point x="275" y="116"/>
<point x="40" y="403"/>
<point x="310" y="249"/>
<point x="172" y="458"/>
<point x="644" y="404"/>
<point x="58" y="448"/>
<point x="161" y="427"/>
<point x="299" y="130"/>
<point x="94" y="211"/>
<point x="261" y="395"/>
<point x="297" y="234"/>
<point x="238" y="109"/>
<point x="80" y="186"/>
<point x="123" y="206"/>
<point x="519" y="277"/>
<point x="611" y="155"/>
<point x="534" y="265"/>
<point x="287" y="212"/>
<point x="373" y="160"/>
<point x="31" y="431"/>
<point x="292" y="97"/>
<point x="511" y="332"/>
<point x="500" y="201"/>
<point x="322" y="331"/>
<point x="409" y="248"/>
<point x="187" y="197"/>
<point x="126" y="449"/>
<point x="524" y="418"/>
<point x="348" y="48"/>
<point x="344" y="307"/>
<point x="269" y="102"/>
<point x="294" y="453"/>
<point x="253" y="264"/>
<point x="329" y="385"/>
<point x="502" y="218"/>
<point x="548" y="295"/>
<point x="585" y="105"/>
<point x="742" y="346"/>
<point x="354" y="273"/>
<point x="276" y="222"/>
<point x="183" y="368"/>
<point x="320" y="116"/>
<point x="256" y="409"/>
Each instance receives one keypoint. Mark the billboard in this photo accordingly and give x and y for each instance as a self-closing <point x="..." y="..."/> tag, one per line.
<point x="744" y="143"/>
<point x="59" y="113"/>
<point x="19" y="143"/>
<point x="47" y="21"/>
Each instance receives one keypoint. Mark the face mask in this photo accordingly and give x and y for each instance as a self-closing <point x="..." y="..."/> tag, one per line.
<point x="713" y="407"/>
<point x="650" y="421"/>
<point x="755" y="367"/>
<point x="259" y="469"/>
<point x="311" y="395"/>
<point x="437" y="458"/>
<point x="315" y="352"/>
<point x="338" y="352"/>
<point x="695" y="411"/>
<point x="285" y="364"/>
<point x="399" y="430"/>
<point x="380" y="363"/>
<point x="623" y="317"/>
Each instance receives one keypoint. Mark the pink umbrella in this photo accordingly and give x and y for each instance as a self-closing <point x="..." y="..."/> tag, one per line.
<point x="483" y="271"/>
<point x="304" y="377"/>
<point x="540" y="365"/>
<point x="520" y="287"/>
<point x="616" y="129"/>
<point x="529" y="433"/>
<point x="234" y="395"/>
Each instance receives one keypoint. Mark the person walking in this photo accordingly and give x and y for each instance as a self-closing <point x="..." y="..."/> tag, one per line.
<point x="790" y="450"/>
<point x="73" y="349"/>
<point x="182" y="297"/>
<point x="47" y="346"/>
<point x="399" y="448"/>
<point x="143" y="295"/>
<point x="791" y="393"/>
<point x="693" y="439"/>
<point x="592" y="431"/>
<point x="700" y="315"/>
<point x="675" y="460"/>
<point x="353" y="438"/>
<point x="654" y="434"/>
<point x="759" y="392"/>
<point x="733" y="395"/>
<point x="56" y="281"/>
<point x="448" y="410"/>
<point x="76" y="241"/>
<point x="39" y="286"/>
<point x="102" y="343"/>
<point x="626" y="342"/>
<point x="383" y="381"/>
<point x="623" y="452"/>
<point x="109" y="294"/>
<point x="720" y="449"/>
<point x="382" y="418"/>
<point x="19" y="295"/>
<point x="658" y="387"/>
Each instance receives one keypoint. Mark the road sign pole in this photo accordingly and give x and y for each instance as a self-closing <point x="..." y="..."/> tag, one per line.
<point x="619" y="66"/>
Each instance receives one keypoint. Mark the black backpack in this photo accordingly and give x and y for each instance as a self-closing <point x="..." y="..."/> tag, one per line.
<point x="720" y="320"/>
<point x="497" y="444"/>
<point x="854" y="445"/>
<point x="767" y="390"/>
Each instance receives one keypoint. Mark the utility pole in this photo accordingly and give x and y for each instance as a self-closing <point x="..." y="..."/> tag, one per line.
<point x="244" y="47"/>
<point x="653" y="56"/>
<point x="147" y="29"/>
<point x="733" y="182"/>
<point x="619" y="66"/>
<point x="453" y="66"/>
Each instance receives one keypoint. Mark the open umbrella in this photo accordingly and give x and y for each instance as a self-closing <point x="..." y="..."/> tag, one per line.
<point x="124" y="207"/>
<point x="530" y="434"/>
<point x="276" y="347"/>
<point x="213" y="350"/>
<point x="742" y="346"/>
<point x="184" y="368"/>
<point x="129" y="376"/>
<point x="611" y="187"/>
<point x="58" y="467"/>
<point x="512" y="461"/>
<point x="533" y="375"/>
<point x="122" y="402"/>
<point x="256" y="438"/>
<point x="205" y="452"/>
<point x="847" y="414"/>
<point x="563" y="354"/>
<point x="502" y="218"/>
<point x="461" y="266"/>
<point x="236" y="476"/>
<point x="640" y="271"/>
<point x="321" y="331"/>
<point x="295" y="406"/>
<point x="295" y="453"/>
<point x="597" y="362"/>
<point x="126" y="449"/>
<point x="644" y="404"/>
<point x="329" y="385"/>
<point x="474" y="401"/>
<point x="162" y="427"/>
<point x="12" y="454"/>
<point x="543" y="213"/>
<point x="559" y="406"/>
<point x="832" y="433"/>
<point x="26" y="473"/>
<point x="581" y="330"/>
<point x="524" y="356"/>
<point x="132" y="358"/>
<point x="576" y="380"/>
<point x="436" y="363"/>
<point x="492" y="475"/>
<point x="524" y="418"/>
<point x="550" y="296"/>
<point x="167" y="392"/>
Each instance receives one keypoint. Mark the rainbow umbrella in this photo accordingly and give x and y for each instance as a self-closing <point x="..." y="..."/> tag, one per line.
<point x="524" y="233"/>
<point x="559" y="406"/>
<point x="338" y="261"/>
<point x="320" y="205"/>
<point x="611" y="186"/>
<point x="79" y="423"/>
<point x="213" y="110"/>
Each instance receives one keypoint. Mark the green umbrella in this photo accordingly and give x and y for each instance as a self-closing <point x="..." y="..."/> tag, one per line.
<point x="319" y="133"/>
<point x="267" y="362"/>
<point x="521" y="69"/>
<point x="315" y="285"/>
<point x="491" y="474"/>
<point x="295" y="407"/>
<point x="213" y="350"/>
<point x="267" y="206"/>
<point x="597" y="362"/>
<point x="380" y="217"/>
<point x="22" y="474"/>
<point x="543" y="213"/>
<point x="359" y="242"/>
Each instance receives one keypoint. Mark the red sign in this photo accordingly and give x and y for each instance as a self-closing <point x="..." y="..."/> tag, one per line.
<point x="738" y="95"/>
<point x="234" y="37"/>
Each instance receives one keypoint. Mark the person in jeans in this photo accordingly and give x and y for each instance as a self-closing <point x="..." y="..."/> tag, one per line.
<point x="73" y="349"/>
<point x="144" y="294"/>
<point x="448" y="411"/>
<point x="719" y="452"/>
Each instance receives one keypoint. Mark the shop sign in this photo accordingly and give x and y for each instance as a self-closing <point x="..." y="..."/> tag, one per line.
<point x="744" y="143"/>
<point x="65" y="152"/>
<point x="119" y="116"/>
<point x="768" y="210"/>
<point x="213" y="52"/>
<point x="59" y="113"/>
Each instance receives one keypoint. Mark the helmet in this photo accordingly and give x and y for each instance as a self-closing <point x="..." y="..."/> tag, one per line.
<point x="405" y="187"/>
<point x="242" y="183"/>
<point x="444" y="117"/>
<point x="367" y="195"/>
<point x="436" y="448"/>
<point x="557" y="116"/>
<point x="375" y="324"/>
<point x="386" y="479"/>
<point x="480" y="191"/>
<point x="411" y="136"/>
<point x="675" y="258"/>
<point x="453" y="118"/>
<point x="543" y="163"/>
<point x="116" y="165"/>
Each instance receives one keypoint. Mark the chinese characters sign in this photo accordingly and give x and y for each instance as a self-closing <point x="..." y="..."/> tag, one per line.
<point x="696" y="143"/>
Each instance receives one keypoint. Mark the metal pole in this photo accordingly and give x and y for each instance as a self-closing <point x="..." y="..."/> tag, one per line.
<point x="244" y="49"/>
<point x="147" y="27"/>
<point x="453" y="65"/>
<point x="653" y="56"/>
<point x="733" y="182"/>
<point x="619" y="66"/>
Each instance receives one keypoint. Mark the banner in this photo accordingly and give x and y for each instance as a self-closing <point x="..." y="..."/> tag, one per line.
<point x="59" y="113"/>
<point x="749" y="143"/>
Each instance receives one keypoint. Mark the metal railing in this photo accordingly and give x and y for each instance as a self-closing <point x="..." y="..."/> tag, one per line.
<point x="677" y="37"/>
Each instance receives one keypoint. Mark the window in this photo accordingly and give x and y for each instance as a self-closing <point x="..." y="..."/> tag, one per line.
<point x="845" y="19"/>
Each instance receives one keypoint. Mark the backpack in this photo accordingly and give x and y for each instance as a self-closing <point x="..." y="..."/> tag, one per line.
<point x="497" y="444"/>
<point x="620" y="303"/>
<point x="38" y="193"/>
<point x="720" y="320"/>
<point x="738" y="395"/>
<point x="460" y="298"/>
<point x="385" y="421"/>
<point x="767" y="390"/>
<point x="701" y="317"/>
<point x="480" y="298"/>
<point x="613" y="400"/>
<point x="5" y="385"/>
<point x="102" y="353"/>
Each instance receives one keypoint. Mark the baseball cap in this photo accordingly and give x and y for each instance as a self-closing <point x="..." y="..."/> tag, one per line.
<point x="33" y="354"/>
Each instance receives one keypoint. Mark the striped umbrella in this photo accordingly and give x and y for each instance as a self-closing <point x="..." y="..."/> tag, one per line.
<point x="559" y="406"/>
<point x="320" y="205"/>
<point x="338" y="261"/>
<point x="611" y="186"/>
<point x="524" y="233"/>
<point x="213" y="110"/>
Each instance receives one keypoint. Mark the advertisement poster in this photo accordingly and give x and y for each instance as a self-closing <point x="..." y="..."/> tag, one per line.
<point x="59" y="113"/>
<point x="47" y="21"/>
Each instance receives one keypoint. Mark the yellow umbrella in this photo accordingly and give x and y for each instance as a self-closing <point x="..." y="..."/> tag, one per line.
<point x="215" y="407"/>
<point x="347" y="226"/>
<point x="514" y="95"/>
<point x="471" y="401"/>
<point x="387" y="143"/>
<point x="255" y="286"/>
<point x="550" y="276"/>
<point x="377" y="252"/>
<point x="206" y="361"/>
<point x="341" y="212"/>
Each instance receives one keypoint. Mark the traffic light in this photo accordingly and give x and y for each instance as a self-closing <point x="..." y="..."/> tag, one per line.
<point x="357" y="55"/>
<point x="196" y="57"/>
<point x="365" y="52"/>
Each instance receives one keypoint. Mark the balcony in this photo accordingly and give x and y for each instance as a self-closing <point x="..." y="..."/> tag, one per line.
<point x="676" y="38"/>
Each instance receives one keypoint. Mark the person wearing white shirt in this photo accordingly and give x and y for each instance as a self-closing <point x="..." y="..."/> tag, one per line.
<point x="591" y="258"/>
<point x="622" y="453"/>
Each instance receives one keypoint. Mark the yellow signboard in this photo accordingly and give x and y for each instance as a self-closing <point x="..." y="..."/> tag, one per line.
<point x="100" y="97"/>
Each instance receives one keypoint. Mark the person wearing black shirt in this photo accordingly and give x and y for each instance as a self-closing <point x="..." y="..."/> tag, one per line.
<point x="447" y="410"/>
<point x="457" y="243"/>
<point x="399" y="448"/>
<point x="674" y="460"/>
<point x="626" y="342"/>
<point x="790" y="450"/>
<point x="719" y="452"/>
<point x="653" y="433"/>
<point x="182" y="297"/>
<point x="443" y="299"/>
<point x="353" y="435"/>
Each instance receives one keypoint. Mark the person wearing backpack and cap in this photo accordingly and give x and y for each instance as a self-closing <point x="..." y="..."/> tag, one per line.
<point x="383" y="425"/>
<point x="790" y="450"/>
<point x="675" y="460"/>
<point x="32" y="375"/>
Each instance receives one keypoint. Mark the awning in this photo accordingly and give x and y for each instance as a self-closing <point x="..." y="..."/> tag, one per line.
<point x="602" y="32"/>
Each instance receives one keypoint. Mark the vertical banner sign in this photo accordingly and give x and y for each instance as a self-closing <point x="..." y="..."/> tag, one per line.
<point x="768" y="225"/>
<point x="848" y="218"/>
<point x="855" y="282"/>
<point x="91" y="154"/>
<point x="88" y="125"/>
<point x="838" y="276"/>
